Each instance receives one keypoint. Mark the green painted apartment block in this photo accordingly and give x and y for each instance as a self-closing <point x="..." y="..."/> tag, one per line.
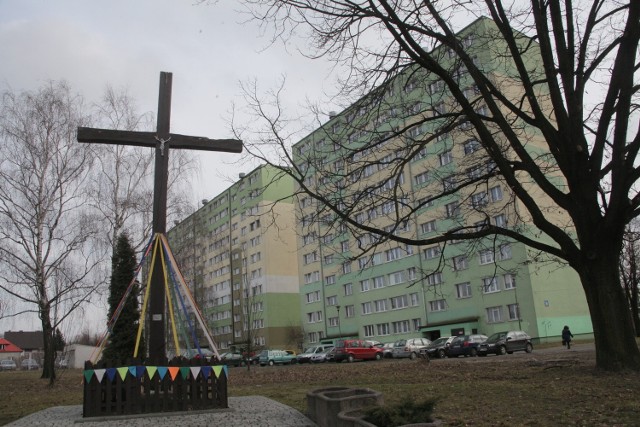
<point x="238" y="252"/>
<point x="399" y="291"/>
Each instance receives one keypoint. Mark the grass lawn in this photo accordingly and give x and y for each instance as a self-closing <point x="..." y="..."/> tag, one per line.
<point x="549" y="387"/>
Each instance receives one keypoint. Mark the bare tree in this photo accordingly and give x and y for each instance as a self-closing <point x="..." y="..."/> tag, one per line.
<point x="545" y="93"/>
<point x="47" y="251"/>
<point x="630" y="271"/>
<point x="123" y="177"/>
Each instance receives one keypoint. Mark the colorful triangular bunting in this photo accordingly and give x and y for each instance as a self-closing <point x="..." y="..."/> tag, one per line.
<point x="151" y="371"/>
<point x="87" y="375"/>
<point x="173" y="371"/>
<point x="184" y="371"/>
<point x="123" y="372"/>
<point x="195" y="370"/>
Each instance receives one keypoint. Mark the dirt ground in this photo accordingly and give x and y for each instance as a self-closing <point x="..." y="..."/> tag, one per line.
<point x="549" y="387"/>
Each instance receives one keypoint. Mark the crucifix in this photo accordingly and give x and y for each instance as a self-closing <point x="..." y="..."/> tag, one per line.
<point x="161" y="140"/>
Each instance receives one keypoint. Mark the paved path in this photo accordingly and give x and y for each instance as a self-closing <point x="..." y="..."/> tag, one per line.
<point x="243" y="411"/>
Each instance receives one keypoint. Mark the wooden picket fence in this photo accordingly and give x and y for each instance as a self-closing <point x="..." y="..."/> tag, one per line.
<point x="139" y="389"/>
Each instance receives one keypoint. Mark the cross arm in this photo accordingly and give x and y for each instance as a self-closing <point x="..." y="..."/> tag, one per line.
<point x="150" y="139"/>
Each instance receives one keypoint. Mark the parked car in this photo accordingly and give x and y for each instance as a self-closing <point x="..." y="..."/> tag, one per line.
<point x="233" y="359"/>
<point x="437" y="348"/>
<point x="305" y="356"/>
<point x="8" y="365"/>
<point x="194" y="353"/>
<point x="276" y="357"/>
<point x="465" y="345"/>
<point x="506" y="342"/>
<point x="351" y="350"/>
<point x="29" y="364"/>
<point x="409" y="347"/>
<point x="387" y="350"/>
<point x="320" y="357"/>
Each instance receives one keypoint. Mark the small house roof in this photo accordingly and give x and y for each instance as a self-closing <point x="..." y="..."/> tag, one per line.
<point x="26" y="340"/>
<point x="8" y="347"/>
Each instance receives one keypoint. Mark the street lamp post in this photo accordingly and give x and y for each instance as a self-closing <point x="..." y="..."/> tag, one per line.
<point x="339" y="331"/>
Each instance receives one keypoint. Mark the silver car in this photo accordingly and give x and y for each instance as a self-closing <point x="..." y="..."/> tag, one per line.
<point x="8" y="365"/>
<point x="409" y="347"/>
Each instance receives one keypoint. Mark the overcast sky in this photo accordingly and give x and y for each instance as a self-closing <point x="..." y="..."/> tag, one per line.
<point x="209" y="48"/>
<point x="127" y="43"/>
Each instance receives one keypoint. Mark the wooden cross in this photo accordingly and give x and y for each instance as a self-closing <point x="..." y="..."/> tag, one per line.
<point x="162" y="140"/>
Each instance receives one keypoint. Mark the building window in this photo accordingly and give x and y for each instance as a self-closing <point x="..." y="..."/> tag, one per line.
<point x="348" y="289"/>
<point x="486" y="256"/>
<point x="311" y="277"/>
<point x="399" y="302"/>
<point x="380" y="305"/>
<point x="500" y="220"/>
<point x="494" y="314"/>
<point x="328" y="259"/>
<point x="428" y="227"/>
<point x="505" y="251"/>
<point x="471" y="146"/>
<point x="313" y="296"/>
<point x="333" y="321"/>
<point x="421" y="178"/>
<point x="414" y="299"/>
<point x="434" y="279"/>
<point x="438" y="305"/>
<point x="479" y="199"/>
<point x="448" y="183"/>
<point x="463" y="290"/>
<point x="514" y="311"/>
<point x="346" y="267"/>
<point x="378" y="282"/>
<point x="417" y="324"/>
<point x="445" y="158"/>
<point x="369" y="330"/>
<point x="452" y="209"/>
<point x="496" y="193"/>
<point x="460" y="262"/>
<point x="396" y="278"/>
<point x="350" y="311"/>
<point x="432" y="252"/>
<point x="382" y="328"/>
<point x="393" y="254"/>
<point x="367" y="308"/>
<point x="364" y="285"/>
<point x="400" y="327"/>
<point x="490" y="285"/>
<point x="344" y="246"/>
<point x="330" y="280"/>
<point x="332" y="300"/>
<point x="509" y="281"/>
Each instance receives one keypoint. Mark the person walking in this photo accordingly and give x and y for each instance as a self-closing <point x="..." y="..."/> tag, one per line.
<point x="566" y="337"/>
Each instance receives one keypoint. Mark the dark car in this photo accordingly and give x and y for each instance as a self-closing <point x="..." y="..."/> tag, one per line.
<point x="506" y="342"/>
<point x="465" y="345"/>
<point x="437" y="348"/>
<point x="233" y="359"/>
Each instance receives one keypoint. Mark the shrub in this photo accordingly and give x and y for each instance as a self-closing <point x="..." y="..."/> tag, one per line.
<point x="406" y="412"/>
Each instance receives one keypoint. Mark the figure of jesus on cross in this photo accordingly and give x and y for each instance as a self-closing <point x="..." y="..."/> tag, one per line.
<point x="162" y="140"/>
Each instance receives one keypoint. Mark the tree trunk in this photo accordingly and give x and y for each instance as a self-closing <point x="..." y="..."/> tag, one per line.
<point x="613" y="328"/>
<point x="48" y="363"/>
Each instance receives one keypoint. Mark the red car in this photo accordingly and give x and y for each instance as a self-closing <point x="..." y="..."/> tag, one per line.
<point x="351" y="350"/>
